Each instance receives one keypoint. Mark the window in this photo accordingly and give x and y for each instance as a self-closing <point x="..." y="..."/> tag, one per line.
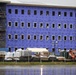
<point x="53" y="13"/>
<point x="16" y="24"/>
<point x="16" y="36"/>
<point x="64" y="37"/>
<point x="22" y="24"/>
<point x="65" y="49"/>
<point x="28" y="37"/>
<point x="59" y="13"/>
<point x="15" y="49"/>
<point x="22" y="36"/>
<point x="53" y="49"/>
<point x="47" y="13"/>
<point x="47" y="25"/>
<point x="47" y="37"/>
<point x="29" y="12"/>
<point x="9" y="24"/>
<point x="59" y="25"/>
<point x="41" y="12"/>
<point x="59" y="37"/>
<point x="28" y="25"/>
<point x="71" y="14"/>
<point x="41" y="25"/>
<point x="65" y="13"/>
<point x="53" y="25"/>
<point x="41" y="37"/>
<point x="9" y="49"/>
<point x="71" y="38"/>
<point x="9" y="36"/>
<point x="35" y="37"/>
<point x="53" y="37"/>
<point x="22" y="11"/>
<point x="71" y="26"/>
<point x="35" y="25"/>
<point x="65" y="25"/>
<point x="35" y="12"/>
<point x="9" y="11"/>
<point x="16" y="11"/>
<point x="22" y="48"/>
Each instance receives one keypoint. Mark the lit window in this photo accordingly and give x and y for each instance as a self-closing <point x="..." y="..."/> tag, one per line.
<point x="71" y="14"/>
<point x="47" y="13"/>
<point x="47" y="37"/>
<point x="28" y="37"/>
<point x="22" y="24"/>
<point x="16" y="36"/>
<point x="35" y="25"/>
<point x="35" y="37"/>
<point x="71" y="38"/>
<point x="64" y="37"/>
<point x="16" y="24"/>
<point x="22" y="11"/>
<point x="71" y="26"/>
<point x="9" y="24"/>
<point x="9" y="36"/>
<point x="22" y="37"/>
<point x="53" y="25"/>
<point x="41" y="25"/>
<point x="29" y="12"/>
<point x="59" y="37"/>
<point x="41" y="37"/>
<point x="28" y="25"/>
<point x="16" y="11"/>
<point x="47" y="25"/>
<point x="65" y="25"/>
<point x="53" y="13"/>
<point x="53" y="37"/>
<point x="35" y="12"/>
<point x="41" y="12"/>
<point x="9" y="11"/>
<point x="59" y="13"/>
<point x="59" y="25"/>
<point x="65" y="13"/>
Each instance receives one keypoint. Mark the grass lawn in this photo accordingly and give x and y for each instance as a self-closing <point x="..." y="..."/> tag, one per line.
<point x="36" y="63"/>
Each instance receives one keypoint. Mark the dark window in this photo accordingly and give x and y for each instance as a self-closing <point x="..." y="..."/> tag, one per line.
<point x="53" y="49"/>
<point x="64" y="37"/>
<point x="9" y="49"/>
<point x="65" y="13"/>
<point x="71" y="38"/>
<point x="22" y="48"/>
<point x="47" y="25"/>
<point x="16" y="24"/>
<point x="41" y="25"/>
<point x="15" y="49"/>
<point x="53" y="13"/>
<point x="59" y="37"/>
<point x="53" y="37"/>
<point x="29" y="12"/>
<point x="59" y="13"/>
<point x="16" y="36"/>
<point x="53" y="25"/>
<point x="47" y="37"/>
<point x="28" y="24"/>
<point x="59" y="25"/>
<point x="9" y="24"/>
<point x="71" y="26"/>
<point x="34" y="37"/>
<point x="35" y="12"/>
<point x="9" y="11"/>
<point x="41" y="12"/>
<point x="41" y="37"/>
<point x="22" y="11"/>
<point x="65" y="25"/>
<point x="22" y="36"/>
<point x="65" y="49"/>
<point x="47" y="12"/>
<point x="28" y="37"/>
<point x="16" y="11"/>
<point x="71" y="14"/>
<point x="9" y="36"/>
<point x="35" y="25"/>
<point x="22" y="24"/>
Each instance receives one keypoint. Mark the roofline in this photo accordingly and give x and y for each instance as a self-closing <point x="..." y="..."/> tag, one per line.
<point x="39" y="5"/>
